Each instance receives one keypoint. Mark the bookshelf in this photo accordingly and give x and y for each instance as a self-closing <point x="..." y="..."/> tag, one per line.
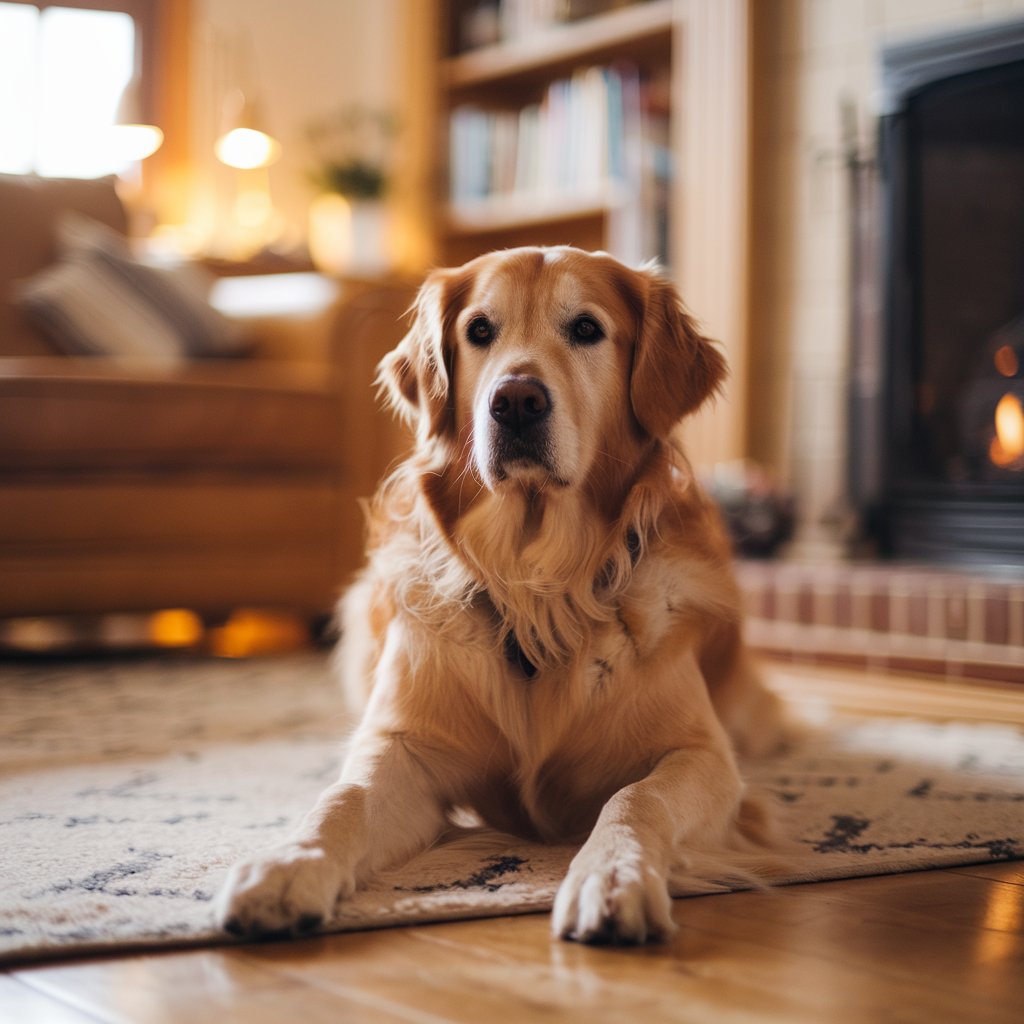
<point x="623" y="129"/>
<point x="557" y="132"/>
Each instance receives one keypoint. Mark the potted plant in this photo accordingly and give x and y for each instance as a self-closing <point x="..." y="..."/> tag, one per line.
<point x="349" y="223"/>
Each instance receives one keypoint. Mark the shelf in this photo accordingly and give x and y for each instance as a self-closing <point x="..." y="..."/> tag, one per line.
<point x="504" y="213"/>
<point x="628" y="32"/>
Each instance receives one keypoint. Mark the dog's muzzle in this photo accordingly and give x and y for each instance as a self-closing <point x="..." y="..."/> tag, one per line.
<point x="520" y="407"/>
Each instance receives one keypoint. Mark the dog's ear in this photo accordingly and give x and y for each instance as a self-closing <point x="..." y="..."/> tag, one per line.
<point x="417" y="375"/>
<point x="675" y="368"/>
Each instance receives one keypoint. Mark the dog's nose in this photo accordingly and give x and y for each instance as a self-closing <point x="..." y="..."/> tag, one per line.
<point x="518" y="402"/>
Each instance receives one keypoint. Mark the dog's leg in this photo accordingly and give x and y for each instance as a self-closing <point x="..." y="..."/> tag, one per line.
<point x="616" y="889"/>
<point x="381" y="812"/>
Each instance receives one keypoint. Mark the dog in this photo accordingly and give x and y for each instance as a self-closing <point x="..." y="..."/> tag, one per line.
<point x="547" y="631"/>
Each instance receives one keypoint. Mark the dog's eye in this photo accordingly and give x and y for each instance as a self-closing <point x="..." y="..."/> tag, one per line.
<point x="585" y="330"/>
<point x="480" y="331"/>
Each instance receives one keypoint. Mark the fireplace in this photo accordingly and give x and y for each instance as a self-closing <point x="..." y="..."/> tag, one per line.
<point x="950" y="469"/>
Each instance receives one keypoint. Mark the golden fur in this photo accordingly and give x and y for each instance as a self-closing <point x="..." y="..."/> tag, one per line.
<point x="547" y="632"/>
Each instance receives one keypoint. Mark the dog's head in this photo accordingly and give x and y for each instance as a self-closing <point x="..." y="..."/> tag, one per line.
<point x="543" y="367"/>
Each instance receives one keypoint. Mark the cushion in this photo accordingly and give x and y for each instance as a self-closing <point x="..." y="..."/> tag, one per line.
<point x="99" y="300"/>
<point x="30" y="208"/>
<point x="86" y="308"/>
<point x="179" y="292"/>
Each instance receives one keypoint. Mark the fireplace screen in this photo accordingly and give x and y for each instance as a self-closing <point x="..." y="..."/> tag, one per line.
<point x="968" y="201"/>
<point x="953" y="200"/>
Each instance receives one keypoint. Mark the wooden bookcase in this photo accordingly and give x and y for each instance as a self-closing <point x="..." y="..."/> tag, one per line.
<point x="593" y="205"/>
<point x="693" y="59"/>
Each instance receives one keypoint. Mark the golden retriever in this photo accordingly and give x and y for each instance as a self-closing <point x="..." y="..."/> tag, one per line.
<point x="547" y="632"/>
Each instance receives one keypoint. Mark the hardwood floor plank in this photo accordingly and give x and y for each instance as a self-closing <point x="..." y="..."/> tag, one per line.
<point x="926" y="900"/>
<point x="693" y="978"/>
<point x="875" y="693"/>
<point x="750" y="949"/>
<point x="198" y="987"/>
<point x="1011" y="872"/>
<point x="23" y="1004"/>
<point x="454" y="984"/>
<point x="951" y="966"/>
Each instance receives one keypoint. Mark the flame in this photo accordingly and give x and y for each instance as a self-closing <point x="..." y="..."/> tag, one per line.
<point x="1008" y="445"/>
<point x="1006" y="361"/>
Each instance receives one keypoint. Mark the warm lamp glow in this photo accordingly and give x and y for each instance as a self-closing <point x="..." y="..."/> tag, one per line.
<point x="131" y="138"/>
<point x="1008" y="444"/>
<point x="176" y="627"/>
<point x="330" y="233"/>
<point x="249" y="633"/>
<point x="246" y="149"/>
<point x="253" y="207"/>
<point x="131" y="142"/>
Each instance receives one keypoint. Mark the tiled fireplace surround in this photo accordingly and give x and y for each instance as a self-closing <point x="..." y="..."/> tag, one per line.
<point x="811" y="58"/>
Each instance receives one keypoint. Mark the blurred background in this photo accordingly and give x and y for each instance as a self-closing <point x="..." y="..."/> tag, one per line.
<point x="213" y="214"/>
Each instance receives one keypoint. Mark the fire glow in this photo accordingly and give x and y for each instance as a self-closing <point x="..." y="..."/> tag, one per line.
<point x="1007" y="449"/>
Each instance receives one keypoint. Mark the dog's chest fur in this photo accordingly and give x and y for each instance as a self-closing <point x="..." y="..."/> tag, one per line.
<point x="562" y="731"/>
<point x="562" y="738"/>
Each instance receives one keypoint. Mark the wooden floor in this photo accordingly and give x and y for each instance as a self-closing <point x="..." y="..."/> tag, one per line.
<point x="933" y="946"/>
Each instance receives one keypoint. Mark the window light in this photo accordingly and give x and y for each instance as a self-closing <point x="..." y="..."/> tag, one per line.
<point x="62" y="72"/>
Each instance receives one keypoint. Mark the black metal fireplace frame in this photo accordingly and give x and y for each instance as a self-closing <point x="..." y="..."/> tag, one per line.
<point x="913" y="519"/>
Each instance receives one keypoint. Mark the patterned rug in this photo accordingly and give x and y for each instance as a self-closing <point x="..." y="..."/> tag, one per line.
<point x="128" y="788"/>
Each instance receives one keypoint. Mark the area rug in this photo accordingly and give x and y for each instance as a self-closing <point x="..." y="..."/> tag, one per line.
<point x="128" y="788"/>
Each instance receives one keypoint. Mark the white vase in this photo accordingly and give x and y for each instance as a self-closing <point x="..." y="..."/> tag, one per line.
<point x="349" y="237"/>
<point x="371" y="229"/>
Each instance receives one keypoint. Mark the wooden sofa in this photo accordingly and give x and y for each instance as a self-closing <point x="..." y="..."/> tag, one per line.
<point x="212" y="485"/>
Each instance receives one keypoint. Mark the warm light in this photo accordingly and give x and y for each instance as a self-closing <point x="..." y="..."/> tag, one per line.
<point x="1008" y="445"/>
<point x="998" y="938"/>
<point x="249" y="633"/>
<point x="176" y="627"/>
<point x="246" y="149"/>
<point x="131" y="138"/>
<point x="1006" y="361"/>
<point x="330" y="233"/>
<point x="132" y="142"/>
<point x="253" y="207"/>
<point x="61" y="75"/>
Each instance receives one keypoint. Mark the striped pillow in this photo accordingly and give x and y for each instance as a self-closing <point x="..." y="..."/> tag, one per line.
<point x="85" y="308"/>
<point x="178" y="293"/>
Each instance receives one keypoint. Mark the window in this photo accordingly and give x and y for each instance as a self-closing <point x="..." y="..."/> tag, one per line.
<point x="63" y="69"/>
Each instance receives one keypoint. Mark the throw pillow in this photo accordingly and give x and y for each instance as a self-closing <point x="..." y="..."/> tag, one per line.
<point x="178" y="293"/>
<point x="87" y="309"/>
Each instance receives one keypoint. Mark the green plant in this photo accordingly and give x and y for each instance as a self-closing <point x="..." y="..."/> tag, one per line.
<point x="353" y="151"/>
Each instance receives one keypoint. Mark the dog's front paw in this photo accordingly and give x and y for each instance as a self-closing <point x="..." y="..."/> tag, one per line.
<point x="612" y="898"/>
<point x="288" y="889"/>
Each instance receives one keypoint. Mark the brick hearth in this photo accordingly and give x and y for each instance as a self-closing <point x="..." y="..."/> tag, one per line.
<point x="900" y="618"/>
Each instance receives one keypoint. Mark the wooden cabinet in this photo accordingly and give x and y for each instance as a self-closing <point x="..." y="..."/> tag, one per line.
<point x="623" y="129"/>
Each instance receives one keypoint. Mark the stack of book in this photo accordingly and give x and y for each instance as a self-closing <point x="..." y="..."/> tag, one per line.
<point x="592" y="139"/>
<point x="581" y="137"/>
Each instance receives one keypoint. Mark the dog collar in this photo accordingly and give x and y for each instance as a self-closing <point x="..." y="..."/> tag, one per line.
<point x="514" y="653"/>
<point x="633" y="546"/>
<point x="516" y="656"/>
